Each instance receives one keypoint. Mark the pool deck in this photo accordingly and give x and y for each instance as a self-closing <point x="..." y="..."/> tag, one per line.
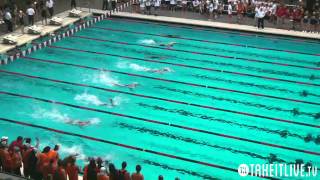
<point x="229" y="26"/>
<point x="46" y="29"/>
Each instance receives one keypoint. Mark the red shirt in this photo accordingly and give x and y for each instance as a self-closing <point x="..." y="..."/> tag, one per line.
<point x="282" y="12"/>
<point x="16" y="144"/>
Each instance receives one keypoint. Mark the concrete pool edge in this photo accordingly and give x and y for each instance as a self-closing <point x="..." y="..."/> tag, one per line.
<point x="218" y="25"/>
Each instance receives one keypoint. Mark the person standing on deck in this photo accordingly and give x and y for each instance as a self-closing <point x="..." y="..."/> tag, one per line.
<point x="105" y="5"/>
<point x="44" y="14"/>
<point x="260" y="15"/>
<point x="73" y="4"/>
<point x="30" y="12"/>
<point x="49" y="5"/>
<point x="8" y="20"/>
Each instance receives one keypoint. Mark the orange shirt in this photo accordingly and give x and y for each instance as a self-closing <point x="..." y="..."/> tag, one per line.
<point x="72" y="172"/>
<point x="136" y="176"/>
<point x="43" y="160"/>
<point x="53" y="155"/>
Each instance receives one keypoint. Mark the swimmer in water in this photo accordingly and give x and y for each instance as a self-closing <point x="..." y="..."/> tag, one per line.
<point x="77" y="122"/>
<point x="160" y="71"/>
<point x="130" y="86"/>
<point x="168" y="45"/>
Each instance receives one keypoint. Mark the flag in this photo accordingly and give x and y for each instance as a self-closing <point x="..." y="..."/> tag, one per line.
<point x="34" y="48"/>
<point x="39" y="46"/>
<point x="54" y="39"/>
<point x="29" y="50"/>
<point x="23" y="52"/>
<point x="45" y="44"/>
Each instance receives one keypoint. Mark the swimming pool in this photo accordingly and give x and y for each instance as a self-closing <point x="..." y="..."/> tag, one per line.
<point x="211" y="101"/>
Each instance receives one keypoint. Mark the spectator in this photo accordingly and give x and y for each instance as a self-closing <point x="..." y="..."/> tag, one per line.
<point x="16" y="161"/>
<point x="113" y="4"/>
<point x="306" y="20"/>
<point x="230" y="12"/>
<point x="21" y="16"/>
<point x="43" y="160"/>
<point x="282" y="13"/>
<point x="105" y="5"/>
<point x="102" y="175"/>
<point x="32" y="165"/>
<point x="92" y="170"/>
<point x="72" y="169"/>
<point x="296" y="18"/>
<point x="53" y="154"/>
<point x="260" y="15"/>
<point x="44" y="14"/>
<point x="137" y="175"/>
<point x="74" y="4"/>
<point x="26" y="153"/>
<point x="113" y="173"/>
<point x="60" y="173"/>
<point x="5" y="156"/>
<point x="49" y="5"/>
<point x="313" y="22"/>
<point x="8" y="20"/>
<point x="157" y="4"/>
<point x="148" y="6"/>
<point x="240" y="11"/>
<point x="30" y="12"/>
<point x="123" y="173"/>
<point x="17" y="143"/>
<point x="49" y="170"/>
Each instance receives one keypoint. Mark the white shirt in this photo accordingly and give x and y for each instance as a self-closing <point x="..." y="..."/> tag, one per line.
<point x="7" y="16"/>
<point x="30" y="12"/>
<point x="157" y="3"/>
<point x="229" y="9"/>
<point x="49" y="4"/>
<point x="261" y="13"/>
<point x="211" y="7"/>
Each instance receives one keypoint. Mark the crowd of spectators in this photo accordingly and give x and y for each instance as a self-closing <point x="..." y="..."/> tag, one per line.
<point x="240" y="11"/>
<point x="48" y="165"/>
<point x="15" y="16"/>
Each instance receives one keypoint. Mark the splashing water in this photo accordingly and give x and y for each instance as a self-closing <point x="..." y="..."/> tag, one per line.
<point x="72" y="150"/>
<point x="147" y="42"/>
<point x="86" y="98"/>
<point x="105" y="79"/>
<point x="133" y="66"/>
<point x="117" y="100"/>
<point x="56" y="115"/>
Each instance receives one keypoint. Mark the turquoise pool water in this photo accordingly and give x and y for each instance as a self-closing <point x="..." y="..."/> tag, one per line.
<point x="225" y="98"/>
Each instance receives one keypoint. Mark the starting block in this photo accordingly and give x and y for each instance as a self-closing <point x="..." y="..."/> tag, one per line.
<point x="10" y="39"/>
